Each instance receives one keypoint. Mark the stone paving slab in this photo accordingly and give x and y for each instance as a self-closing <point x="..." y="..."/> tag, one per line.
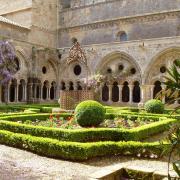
<point x="17" y="164"/>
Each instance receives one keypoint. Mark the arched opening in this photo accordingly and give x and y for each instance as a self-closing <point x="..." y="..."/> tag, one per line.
<point x="45" y="89"/>
<point x="79" y="87"/>
<point x="105" y="93"/>
<point x="52" y="93"/>
<point x="63" y="86"/>
<point x="136" y="92"/>
<point x="38" y="92"/>
<point x="21" y="90"/>
<point x="115" y="92"/>
<point x="52" y="90"/>
<point x="157" y="88"/>
<point x="125" y="92"/>
<point x="3" y="89"/>
<point x="12" y="90"/>
<point x="123" y="36"/>
<point x="71" y="86"/>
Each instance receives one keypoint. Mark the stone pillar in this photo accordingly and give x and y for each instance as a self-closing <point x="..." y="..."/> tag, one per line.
<point x="164" y="98"/>
<point x="100" y="89"/>
<point x="131" y="93"/>
<point x="48" y="93"/>
<point x="8" y="93"/>
<point x="16" y="93"/>
<point x="110" y="93"/>
<point x="0" y="93"/>
<point x="152" y="91"/>
<point x="25" y="92"/>
<point x="120" y="93"/>
<point x="143" y="94"/>
<point x="41" y="93"/>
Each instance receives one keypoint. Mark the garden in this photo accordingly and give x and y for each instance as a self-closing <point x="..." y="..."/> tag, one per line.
<point x="92" y="130"/>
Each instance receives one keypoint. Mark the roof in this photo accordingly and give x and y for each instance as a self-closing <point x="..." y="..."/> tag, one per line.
<point x="5" y="20"/>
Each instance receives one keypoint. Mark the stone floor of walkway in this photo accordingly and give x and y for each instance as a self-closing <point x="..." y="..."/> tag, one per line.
<point x="17" y="164"/>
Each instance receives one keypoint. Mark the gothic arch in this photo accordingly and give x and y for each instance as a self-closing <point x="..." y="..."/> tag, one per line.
<point x="115" y="59"/>
<point x="164" y="57"/>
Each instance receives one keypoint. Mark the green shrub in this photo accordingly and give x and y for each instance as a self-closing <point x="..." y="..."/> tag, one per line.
<point x="154" y="106"/>
<point x="32" y="117"/>
<point x="78" y="151"/>
<point x="90" y="135"/>
<point x="89" y="113"/>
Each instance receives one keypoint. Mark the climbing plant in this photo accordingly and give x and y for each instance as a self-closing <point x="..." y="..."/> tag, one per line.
<point x="8" y="65"/>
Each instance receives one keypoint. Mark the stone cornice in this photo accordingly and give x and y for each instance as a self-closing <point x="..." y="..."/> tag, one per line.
<point x="81" y="7"/>
<point x="123" y="20"/>
<point x="17" y="10"/>
<point x="44" y="29"/>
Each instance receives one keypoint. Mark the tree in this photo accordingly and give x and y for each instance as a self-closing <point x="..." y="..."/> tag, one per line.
<point x="8" y="66"/>
<point x="173" y="93"/>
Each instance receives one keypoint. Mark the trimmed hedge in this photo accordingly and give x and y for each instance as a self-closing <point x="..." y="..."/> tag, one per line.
<point x="90" y="135"/>
<point x="143" y="116"/>
<point x="77" y="151"/>
<point x="32" y="117"/>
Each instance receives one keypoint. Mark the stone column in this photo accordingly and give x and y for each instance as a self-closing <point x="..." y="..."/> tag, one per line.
<point x="25" y="92"/>
<point x="164" y="98"/>
<point x="41" y="93"/>
<point x="0" y="93"/>
<point x="131" y="93"/>
<point x="16" y="93"/>
<point x="143" y="93"/>
<point x="48" y="93"/>
<point x="100" y="89"/>
<point x="110" y="93"/>
<point x="152" y="91"/>
<point x="8" y="93"/>
<point x="120" y="93"/>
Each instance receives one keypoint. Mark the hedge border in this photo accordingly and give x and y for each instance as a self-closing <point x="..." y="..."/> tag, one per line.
<point x="90" y="135"/>
<point x="77" y="151"/>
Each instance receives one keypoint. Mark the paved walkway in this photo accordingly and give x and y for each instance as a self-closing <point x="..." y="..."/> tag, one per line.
<point x="17" y="164"/>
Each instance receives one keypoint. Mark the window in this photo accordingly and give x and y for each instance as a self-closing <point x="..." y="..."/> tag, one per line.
<point x="44" y="70"/>
<point x="122" y="36"/>
<point x="163" y="69"/>
<point x="77" y="70"/>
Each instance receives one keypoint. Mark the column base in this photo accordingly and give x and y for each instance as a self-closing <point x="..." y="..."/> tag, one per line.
<point x="141" y="105"/>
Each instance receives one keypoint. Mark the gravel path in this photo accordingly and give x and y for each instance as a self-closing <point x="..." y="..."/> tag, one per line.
<point x="17" y="164"/>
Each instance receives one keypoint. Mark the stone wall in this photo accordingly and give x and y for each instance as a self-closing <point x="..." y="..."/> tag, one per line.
<point x="136" y="28"/>
<point x="18" y="11"/>
<point x="114" y="9"/>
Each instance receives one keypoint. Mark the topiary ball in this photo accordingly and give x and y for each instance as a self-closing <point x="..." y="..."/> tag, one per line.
<point x="154" y="106"/>
<point x="89" y="113"/>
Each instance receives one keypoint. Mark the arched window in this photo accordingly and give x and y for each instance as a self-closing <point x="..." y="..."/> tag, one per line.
<point x="136" y="92"/>
<point x="105" y="93"/>
<point x="157" y="88"/>
<point x="125" y="92"/>
<point x="53" y="90"/>
<point x="122" y="36"/>
<point x="115" y="92"/>
<point x="63" y="86"/>
<point x="12" y="90"/>
<point x="71" y="86"/>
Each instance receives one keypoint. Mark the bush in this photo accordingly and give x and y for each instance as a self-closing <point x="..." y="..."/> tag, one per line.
<point x="92" y="134"/>
<point x="78" y="151"/>
<point x="89" y="113"/>
<point x="154" y="106"/>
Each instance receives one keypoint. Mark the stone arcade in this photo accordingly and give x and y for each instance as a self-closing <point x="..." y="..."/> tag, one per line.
<point x="133" y="40"/>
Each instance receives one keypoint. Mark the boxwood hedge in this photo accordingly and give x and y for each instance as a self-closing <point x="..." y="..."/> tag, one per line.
<point x="77" y="151"/>
<point x="90" y="135"/>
